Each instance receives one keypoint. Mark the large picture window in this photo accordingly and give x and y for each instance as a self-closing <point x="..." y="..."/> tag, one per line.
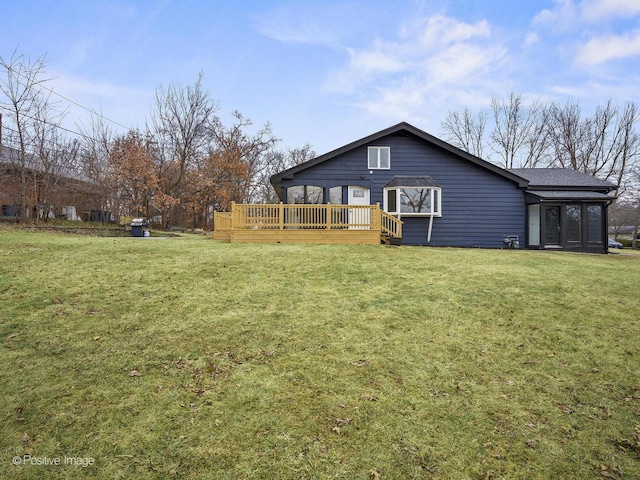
<point x="379" y="158"/>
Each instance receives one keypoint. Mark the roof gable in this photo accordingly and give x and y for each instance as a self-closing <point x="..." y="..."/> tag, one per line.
<point x="400" y="128"/>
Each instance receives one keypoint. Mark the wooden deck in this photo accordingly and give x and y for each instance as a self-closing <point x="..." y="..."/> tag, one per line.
<point x="295" y="223"/>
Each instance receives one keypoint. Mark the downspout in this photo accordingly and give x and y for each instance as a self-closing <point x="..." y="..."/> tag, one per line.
<point x="605" y="227"/>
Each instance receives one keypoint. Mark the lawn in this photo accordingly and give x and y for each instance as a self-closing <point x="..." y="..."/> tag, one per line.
<point x="189" y="358"/>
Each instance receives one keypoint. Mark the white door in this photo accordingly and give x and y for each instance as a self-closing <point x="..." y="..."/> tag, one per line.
<point x="359" y="218"/>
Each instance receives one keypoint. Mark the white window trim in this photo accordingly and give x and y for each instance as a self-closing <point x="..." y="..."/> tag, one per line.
<point x="378" y="149"/>
<point x="436" y="203"/>
<point x="436" y="206"/>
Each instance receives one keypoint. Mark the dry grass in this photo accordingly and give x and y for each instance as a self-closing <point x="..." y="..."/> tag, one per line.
<point x="189" y="358"/>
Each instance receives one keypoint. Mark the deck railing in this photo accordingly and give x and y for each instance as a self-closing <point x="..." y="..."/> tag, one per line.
<point x="298" y="216"/>
<point x="390" y="225"/>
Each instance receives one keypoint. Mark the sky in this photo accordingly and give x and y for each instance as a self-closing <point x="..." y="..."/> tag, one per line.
<point x="327" y="73"/>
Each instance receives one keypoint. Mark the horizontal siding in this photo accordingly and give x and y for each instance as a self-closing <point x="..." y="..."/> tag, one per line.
<point x="479" y="208"/>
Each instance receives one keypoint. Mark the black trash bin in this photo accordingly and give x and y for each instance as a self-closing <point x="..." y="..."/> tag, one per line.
<point x="137" y="226"/>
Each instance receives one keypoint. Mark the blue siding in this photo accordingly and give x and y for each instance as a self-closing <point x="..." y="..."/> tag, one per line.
<point x="479" y="207"/>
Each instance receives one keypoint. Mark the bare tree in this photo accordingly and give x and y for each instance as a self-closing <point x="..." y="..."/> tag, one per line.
<point x="517" y="127"/>
<point x="53" y="154"/>
<point x="465" y="131"/>
<point x="181" y="124"/>
<point x="606" y="145"/>
<point x="97" y="143"/>
<point x="278" y="161"/>
<point x="234" y="144"/>
<point x="21" y="97"/>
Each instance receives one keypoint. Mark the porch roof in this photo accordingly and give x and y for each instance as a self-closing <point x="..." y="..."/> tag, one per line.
<point x="564" y="179"/>
<point x="569" y="195"/>
<point x="411" y="181"/>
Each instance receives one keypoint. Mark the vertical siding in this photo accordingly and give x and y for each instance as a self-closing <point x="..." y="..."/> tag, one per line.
<point x="479" y="208"/>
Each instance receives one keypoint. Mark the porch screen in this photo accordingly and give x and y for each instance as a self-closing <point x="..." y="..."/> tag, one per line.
<point x="594" y="224"/>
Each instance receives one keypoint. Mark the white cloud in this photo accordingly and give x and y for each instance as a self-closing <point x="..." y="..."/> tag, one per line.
<point x="436" y="50"/>
<point x="604" y="27"/>
<point x="571" y="14"/>
<point x="430" y="57"/>
<point x="599" y="50"/>
<point x="531" y="39"/>
<point x="562" y="14"/>
<point x="596" y="10"/>
<point x="440" y="30"/>
<point x="116" y="102"/>
<point x="307" y="24"/>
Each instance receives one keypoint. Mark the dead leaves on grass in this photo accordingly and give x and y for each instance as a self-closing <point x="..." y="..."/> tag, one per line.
<point x="631" y="444"/>
<point x="340" y="422"/>
<point x="607" y="471"/>
<point x="360" y="363"/>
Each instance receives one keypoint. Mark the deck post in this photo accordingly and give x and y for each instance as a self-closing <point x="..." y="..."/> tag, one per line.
<point x="375" y="218"/>
<point x="329" y="216"/>
<point x="281" y="216"/>
<point x="234" y="216"/>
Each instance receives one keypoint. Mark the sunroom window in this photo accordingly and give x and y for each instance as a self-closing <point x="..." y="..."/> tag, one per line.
<point x="379" y="158"/>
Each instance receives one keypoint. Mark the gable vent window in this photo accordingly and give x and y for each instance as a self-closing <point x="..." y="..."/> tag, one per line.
<point x="379" y="158"/>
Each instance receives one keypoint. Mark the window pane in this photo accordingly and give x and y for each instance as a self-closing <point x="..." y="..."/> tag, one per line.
<point x="295" y="194"/>
<point x="314" y="194"/>
<point x="552" y="226"/>
<point x="391" y="201"/>
<point x="335" y="195"/>
<point x="384" y="157"/>
<point x="573" y="227"/>
<point x="415" y="200"/>
<point x="379" y="157"/>
<point x="373" y="157"/>
<point x="594" y="224"/>
<point x="436" y="201"/>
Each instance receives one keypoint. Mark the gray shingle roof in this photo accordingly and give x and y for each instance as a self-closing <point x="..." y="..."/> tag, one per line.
<point x="570" y="194"/>
<point x="542" y="178"/>
<point x="409" y="181"/>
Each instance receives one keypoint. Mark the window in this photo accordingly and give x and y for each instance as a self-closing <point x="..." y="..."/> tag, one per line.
<point x="379" y="158"/>
<point x="594" y="224"/>
<point x="573" y="226"/>
<point x="413" y="201"/>
<point x="305" y="194"/>
<point x="295" y="194"/>
<point x="314" y="194"/>
<point x="335" y="195"/>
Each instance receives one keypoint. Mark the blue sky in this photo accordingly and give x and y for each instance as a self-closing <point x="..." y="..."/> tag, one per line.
<point x="329" y="72"/>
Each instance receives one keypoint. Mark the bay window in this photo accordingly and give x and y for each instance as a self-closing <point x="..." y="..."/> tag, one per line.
<point x="412" y="201"/>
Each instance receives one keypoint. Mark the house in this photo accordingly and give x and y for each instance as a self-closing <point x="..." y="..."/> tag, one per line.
<point x="623" y="232"/>
<point x="67" y="193"/>
<point x="447" y="197"/>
